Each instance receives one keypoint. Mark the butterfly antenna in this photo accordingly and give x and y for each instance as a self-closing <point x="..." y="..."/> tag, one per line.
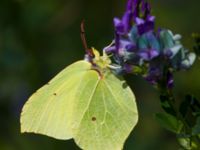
<point x="83" y="38"/>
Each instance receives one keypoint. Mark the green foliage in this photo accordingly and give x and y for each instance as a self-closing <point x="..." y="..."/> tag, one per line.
<point x="187" y="144"/>
<point x="166" y="104"/>
<point x="196" y="128"/>
<point x="196" y="47"/>
<point x="169" y="122"/>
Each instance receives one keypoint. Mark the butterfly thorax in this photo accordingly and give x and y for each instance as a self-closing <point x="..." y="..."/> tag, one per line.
<point x="100" y="63"/>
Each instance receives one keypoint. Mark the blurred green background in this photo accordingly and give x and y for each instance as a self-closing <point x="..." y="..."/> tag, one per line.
<point x="38" y="38"/>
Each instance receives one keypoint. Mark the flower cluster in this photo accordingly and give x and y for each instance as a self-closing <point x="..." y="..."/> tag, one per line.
<point x="141" y="49"/>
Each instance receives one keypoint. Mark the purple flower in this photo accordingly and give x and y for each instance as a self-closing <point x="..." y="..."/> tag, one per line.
<point x="136" y="8"/>
<point x="110" y="49"/>
<point x="117" y="42"/>
<point x="144" y="22"/>
<point x="124" y="44"/>
<point x="148" y="54"/>
<point x="119" y="26"/>
<point x="170" y="80"/>
<point x="130" y="4"/>
<point x="128" y="68"/>
<point x="123" y="26"/>
<point x="121" y="45"/>
<point x="154" y="75"/>
<point x="167" y="53"/>
<point x="138" y="46"/>
<point x="146" y="9"/>
<point x="145" y="25"/>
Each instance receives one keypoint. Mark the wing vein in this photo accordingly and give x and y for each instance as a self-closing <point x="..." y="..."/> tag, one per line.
<point x="89" y="102"/>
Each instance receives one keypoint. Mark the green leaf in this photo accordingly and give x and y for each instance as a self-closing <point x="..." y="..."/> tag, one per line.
<point x="185" y="105"/>
<point x="196" y="47"/>
<point x="166" y="105"/>
<point x="187" y="144"/>
<point x="169" y="122"/>
<point x="96" y="109"/>
<point x="196" y="128"/>
<point x="193" y="103"/>
<point x="188" y="105"/>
